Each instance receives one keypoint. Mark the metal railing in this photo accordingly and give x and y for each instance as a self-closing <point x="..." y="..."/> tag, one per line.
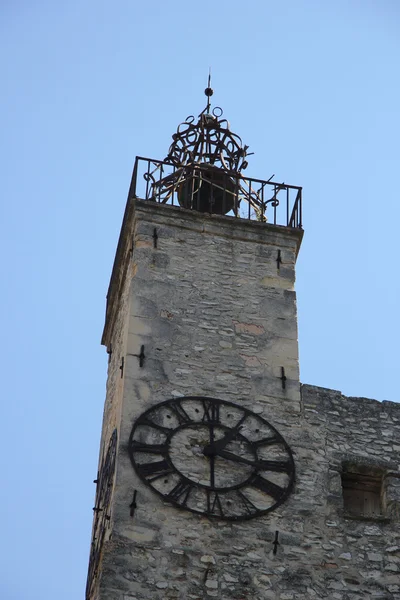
<point x="206" y="188"/>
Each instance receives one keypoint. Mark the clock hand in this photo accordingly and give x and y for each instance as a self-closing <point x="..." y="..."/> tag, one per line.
<point x="236" y="458"/>
<point x="214" y="447"/>
<point x="267" y="465"/>
<point x="212" y="470"/>
<point x="212" y="458"/>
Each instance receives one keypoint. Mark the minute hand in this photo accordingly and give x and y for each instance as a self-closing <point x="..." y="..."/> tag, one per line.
<point x="279" y="466"/>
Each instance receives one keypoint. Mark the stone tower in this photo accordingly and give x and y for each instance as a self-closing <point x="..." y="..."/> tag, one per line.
<point x="219" y="475"/>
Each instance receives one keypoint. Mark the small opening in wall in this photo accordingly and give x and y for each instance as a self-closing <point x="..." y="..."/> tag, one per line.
<point x="363" y="493"/>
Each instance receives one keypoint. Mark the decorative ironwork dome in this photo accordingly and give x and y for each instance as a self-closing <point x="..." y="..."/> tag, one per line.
<point x="215" y="157"/>
<point x="208" y="141"/>
<point x="203" y="171"/>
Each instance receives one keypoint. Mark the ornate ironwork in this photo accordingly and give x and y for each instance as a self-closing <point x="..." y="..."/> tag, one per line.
<point x="204" y="171"/>
<point x="208" y="141"/>
<point x="239" y="196"/>
<point x="212" y="457"/>
<point x="101" y="510"/>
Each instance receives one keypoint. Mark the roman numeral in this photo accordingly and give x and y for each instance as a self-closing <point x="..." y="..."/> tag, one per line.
<point x="266" y="486"/>
<point x="268" y="441"/>
<point x="214" y="505"/>
<point x="180" y="493"/>
<point x="249" y="506"/>
<point x="150" y="448"/>
<point x="211" y="411"/>
<point x="278" y="466"/>
<point x="155" y="470"/>
<point x="180" y="413"/>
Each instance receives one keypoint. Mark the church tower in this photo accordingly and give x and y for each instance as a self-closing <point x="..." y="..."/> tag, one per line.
<point x="197" y="468"/>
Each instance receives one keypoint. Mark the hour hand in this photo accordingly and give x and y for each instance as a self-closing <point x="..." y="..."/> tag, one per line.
<point x="215" y="447"/>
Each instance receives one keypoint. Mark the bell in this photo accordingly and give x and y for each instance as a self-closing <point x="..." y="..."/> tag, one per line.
<point x="208" y="189"/>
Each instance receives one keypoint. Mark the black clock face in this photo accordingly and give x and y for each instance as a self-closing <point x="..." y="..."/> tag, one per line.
<point x="212" y="457"/>
<point x="101" y="510"/>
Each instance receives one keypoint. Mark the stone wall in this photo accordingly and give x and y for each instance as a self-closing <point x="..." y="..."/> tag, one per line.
<point x="216" y="315"/>
<point x="102" y="505"/>
<point x="321" y="553"/>
<point x="350" y="558"/>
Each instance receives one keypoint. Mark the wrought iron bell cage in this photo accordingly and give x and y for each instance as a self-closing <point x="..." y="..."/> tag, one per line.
<point x="203" y="171"/>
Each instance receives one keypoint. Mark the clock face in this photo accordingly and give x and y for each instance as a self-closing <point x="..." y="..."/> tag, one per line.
<point x="101" y="510"/>
<point x="212" y="457"/>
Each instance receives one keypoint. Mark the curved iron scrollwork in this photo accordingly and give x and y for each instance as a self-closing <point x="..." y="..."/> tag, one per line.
<point x="208" y="141"/>
<point x="101" y="510"/>
<point x="203" y="171"/>
<point x="208" y="160"/>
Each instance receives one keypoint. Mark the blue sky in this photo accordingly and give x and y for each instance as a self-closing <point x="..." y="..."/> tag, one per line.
<point x="311" y="86"/>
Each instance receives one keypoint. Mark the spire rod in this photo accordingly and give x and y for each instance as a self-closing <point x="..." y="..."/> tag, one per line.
<point x="209" y="91"/>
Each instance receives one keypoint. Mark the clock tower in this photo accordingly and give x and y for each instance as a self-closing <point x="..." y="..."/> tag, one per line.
<point x="197" y="467"/>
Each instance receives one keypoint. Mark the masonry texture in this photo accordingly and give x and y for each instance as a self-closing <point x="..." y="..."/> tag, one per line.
<point x="215" y="314"/>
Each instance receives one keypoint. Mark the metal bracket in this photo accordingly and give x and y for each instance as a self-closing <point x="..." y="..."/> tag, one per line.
<point x="283" y="378"/>
<point x="133" y="504"/>
<point x="155" y="237"/>
<point x="109" y="352"/>
<point x="206" y="572"/>
<point x="140" y="356"/>
<point x="275" y="543"/>
<point x="122" y="367"/>
<point x="279" y="260"/>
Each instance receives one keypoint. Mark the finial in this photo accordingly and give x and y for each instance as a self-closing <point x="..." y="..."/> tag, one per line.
<point x="209" y="91"/>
